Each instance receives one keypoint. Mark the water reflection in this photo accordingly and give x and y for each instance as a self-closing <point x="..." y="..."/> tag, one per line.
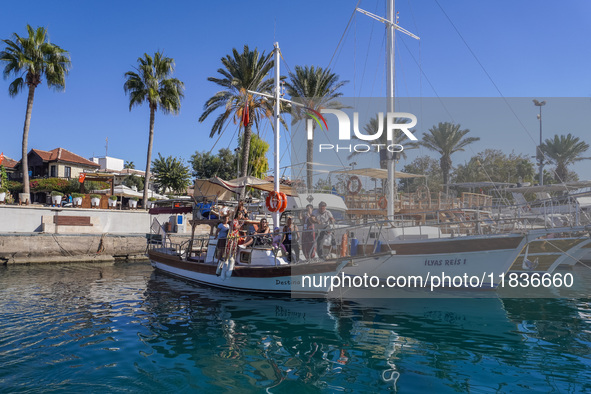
<point x="123" y="327"/>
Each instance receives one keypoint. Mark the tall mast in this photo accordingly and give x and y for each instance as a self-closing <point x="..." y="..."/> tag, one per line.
<point x="391" y="27"/>
<point x="390" y="33"/>
<point x="277" y="125"/>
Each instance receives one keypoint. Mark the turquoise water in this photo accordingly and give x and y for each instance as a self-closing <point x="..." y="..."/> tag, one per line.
<point x="123" y="328"/>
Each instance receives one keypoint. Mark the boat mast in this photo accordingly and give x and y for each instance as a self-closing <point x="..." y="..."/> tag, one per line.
<point x="277" y="125"/>
<point x="390" y="80"/>
<point x="391" y="27"/>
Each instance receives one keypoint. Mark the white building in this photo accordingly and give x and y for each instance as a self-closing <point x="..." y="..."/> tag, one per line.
<point x="109" y="163"/>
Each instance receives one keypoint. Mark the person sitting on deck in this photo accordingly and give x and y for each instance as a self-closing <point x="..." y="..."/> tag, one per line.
<point x="262" y="229"/>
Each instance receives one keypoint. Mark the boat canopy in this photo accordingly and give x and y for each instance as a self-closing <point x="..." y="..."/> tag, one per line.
<point x="378" y="173"/>
<point x="216" y="186"/>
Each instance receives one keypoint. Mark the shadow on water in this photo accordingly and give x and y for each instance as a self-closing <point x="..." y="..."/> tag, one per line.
<point x="122" y="327"/>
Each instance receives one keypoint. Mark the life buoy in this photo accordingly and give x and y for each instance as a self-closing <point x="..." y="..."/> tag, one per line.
<point x="354" y="185"/>
<point x="276" y="201"/>
<point x="383" y="203"/>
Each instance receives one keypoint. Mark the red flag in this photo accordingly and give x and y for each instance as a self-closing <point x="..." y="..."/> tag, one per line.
<point x="1" y="157"/>
<point x="81" y="177"/>
<point x="245" y="116"/>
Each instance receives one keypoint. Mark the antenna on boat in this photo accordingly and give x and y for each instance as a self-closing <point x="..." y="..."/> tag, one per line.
<point x="391" y="23"/>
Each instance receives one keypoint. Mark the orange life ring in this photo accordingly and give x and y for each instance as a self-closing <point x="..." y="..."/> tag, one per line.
<point x="383" y="203"/>
<point x="283" y="202"/>
<point x="350" y="182"/>
<point x="276" y="201"/>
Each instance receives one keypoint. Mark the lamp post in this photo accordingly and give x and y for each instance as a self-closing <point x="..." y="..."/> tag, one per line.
<point x="539" y="154"/>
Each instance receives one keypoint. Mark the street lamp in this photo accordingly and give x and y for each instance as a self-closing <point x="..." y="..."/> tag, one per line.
<point x="539" y="154"/>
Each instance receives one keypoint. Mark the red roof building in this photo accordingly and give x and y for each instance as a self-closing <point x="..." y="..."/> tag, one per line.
<point x="58" y="163"/>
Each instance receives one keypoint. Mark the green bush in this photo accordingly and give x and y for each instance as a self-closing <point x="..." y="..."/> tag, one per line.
<point x="49" y="184"/>
<point x="15" y="187"/>
<point x="95" y="196"/>
<point x="152" y="199"/>
<point x="77" y="195"/>
<point x="56" y="193"/>
<point x="135" y="198"/>
<point x="113" y="198"/>
<point x="3" y="180"/>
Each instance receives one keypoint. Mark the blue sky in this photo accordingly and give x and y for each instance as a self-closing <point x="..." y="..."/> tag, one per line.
<point x="536" y="49"/>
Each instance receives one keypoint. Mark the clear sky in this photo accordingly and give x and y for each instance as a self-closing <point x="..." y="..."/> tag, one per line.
<point x="535" y="49"/>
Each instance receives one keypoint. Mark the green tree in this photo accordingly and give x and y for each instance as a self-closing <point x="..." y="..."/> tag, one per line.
<point x="133" y="180"/>
<point x="129" y="165"/>
<point x="241" y="72"/>
<point x="422" y="165"/>
<point x="316" y="88"/>
<point x="492" y="165"/>
<point x="206" y="165"/>
<point x="258" y="166"/>
<point x="30" y="59"/>
<point x="446" y="139"/>
<point x="564" y="150"/>
<point x="171" y="174"/>
<point x="151" y="82"/>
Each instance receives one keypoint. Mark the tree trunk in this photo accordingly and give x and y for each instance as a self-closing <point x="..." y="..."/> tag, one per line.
<point x="25" y="159"/>
<point x="149" y="158"/>
<point x="561" y="173"/>
<point x="246" y="149"/>
<point x="309" y="165"/>
<point x="445" y="163"/>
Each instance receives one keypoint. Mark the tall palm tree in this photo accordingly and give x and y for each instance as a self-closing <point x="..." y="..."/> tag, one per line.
<point x="151" y="82"/>
<point x="372" y="127"/>
<point x="30" y="59"/>
<point x="564" y="150"/>
<point x="446" y="139"/>
<point x="316" y="88"/>
<point x="241" y="72"/>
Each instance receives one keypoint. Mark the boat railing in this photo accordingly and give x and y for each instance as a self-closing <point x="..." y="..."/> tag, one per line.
<point x="158" y="235"/>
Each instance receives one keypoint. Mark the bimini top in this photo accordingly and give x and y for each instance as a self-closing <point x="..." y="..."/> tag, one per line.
<point x="378" y="173"/>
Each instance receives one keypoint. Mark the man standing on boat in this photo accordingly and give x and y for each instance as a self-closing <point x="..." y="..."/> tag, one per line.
<point x="325" y="219"/>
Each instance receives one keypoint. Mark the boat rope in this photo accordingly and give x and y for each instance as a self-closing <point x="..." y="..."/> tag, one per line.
<point x="492" y="81"/>
<point x="101" y="246"/>
<point x="344" y="33"/>
<point x="64" y="251"/>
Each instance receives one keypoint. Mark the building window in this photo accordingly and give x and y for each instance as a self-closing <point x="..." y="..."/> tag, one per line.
<point x="52" y="172"/>
<point x="68" y="172"/>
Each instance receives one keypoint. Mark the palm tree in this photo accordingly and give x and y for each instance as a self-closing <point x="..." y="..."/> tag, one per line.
<point x="372" y="128"/>
<point x="242" y="71"/>
<point x="29" y="59"/>
<point x="317" y="88"/>
<point x="446" y="139"/>
<point x="151" y="83"/>
<point x="129" y="165"/>
<point x="564" y="150"/>
<point x="172" y="174"/>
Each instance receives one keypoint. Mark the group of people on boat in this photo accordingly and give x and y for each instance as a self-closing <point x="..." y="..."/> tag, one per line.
<point x="244" y="233"/>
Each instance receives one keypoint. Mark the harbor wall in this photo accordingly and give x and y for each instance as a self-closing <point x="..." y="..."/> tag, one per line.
<point x="21" y="219"/>
<point x="36" y="234"/>
<point x="28" y="248"/>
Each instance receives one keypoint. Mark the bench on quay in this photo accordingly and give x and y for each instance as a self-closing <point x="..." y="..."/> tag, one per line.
<point x="72" y="220"/>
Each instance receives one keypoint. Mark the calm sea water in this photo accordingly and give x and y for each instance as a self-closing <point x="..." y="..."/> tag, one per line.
<point x="123" y="328"/>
